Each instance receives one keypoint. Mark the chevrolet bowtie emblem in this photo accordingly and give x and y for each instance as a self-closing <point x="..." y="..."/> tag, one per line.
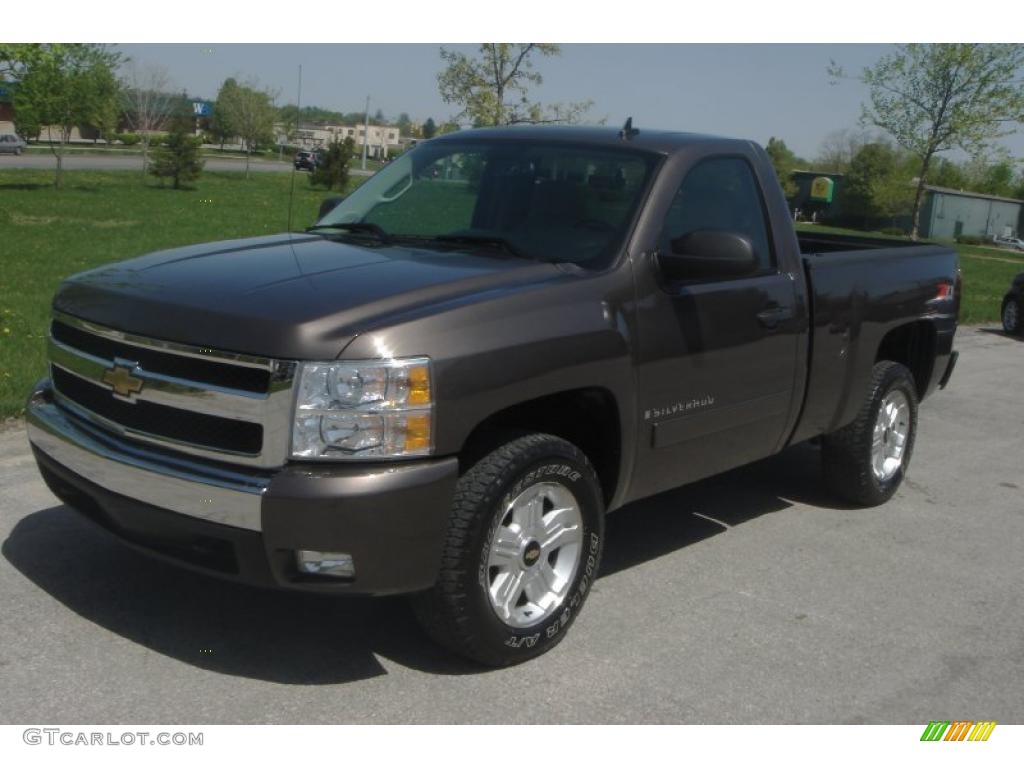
<point x="120" y="380"/>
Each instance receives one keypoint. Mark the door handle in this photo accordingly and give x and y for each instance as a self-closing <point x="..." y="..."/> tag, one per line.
<point x="771" y="317"/>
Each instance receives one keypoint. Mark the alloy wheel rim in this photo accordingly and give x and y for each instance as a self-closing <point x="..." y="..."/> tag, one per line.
<point x="891" y="432"/>
<point x="534" y="554"/>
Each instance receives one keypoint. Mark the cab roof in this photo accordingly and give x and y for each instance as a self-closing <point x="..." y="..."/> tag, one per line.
<point x="662" y="142"/>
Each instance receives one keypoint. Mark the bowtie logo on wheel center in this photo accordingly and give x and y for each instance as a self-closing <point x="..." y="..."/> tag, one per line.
<point x="531" y="553"/>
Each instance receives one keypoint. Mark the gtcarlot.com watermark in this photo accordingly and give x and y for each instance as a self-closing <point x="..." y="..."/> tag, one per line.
<point x="56" y="736"/>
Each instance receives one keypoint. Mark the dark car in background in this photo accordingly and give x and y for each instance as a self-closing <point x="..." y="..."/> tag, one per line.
<point x="305" y="160"/>
<point x="1013" y="307"/>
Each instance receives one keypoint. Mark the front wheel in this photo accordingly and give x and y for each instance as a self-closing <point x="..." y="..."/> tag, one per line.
<point x="865" y="461"/>
<point x="523" y="548"/>
<point x="1013" y="323"/>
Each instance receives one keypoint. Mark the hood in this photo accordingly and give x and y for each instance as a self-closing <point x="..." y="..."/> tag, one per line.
<point x="285" y="296"/>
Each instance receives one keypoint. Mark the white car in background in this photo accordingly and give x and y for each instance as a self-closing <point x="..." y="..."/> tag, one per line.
<point x="11" y="144"/>
<point x="1009" y="242"/>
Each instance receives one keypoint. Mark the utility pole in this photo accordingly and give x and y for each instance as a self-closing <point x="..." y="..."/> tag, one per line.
<point x="366" y="131"/>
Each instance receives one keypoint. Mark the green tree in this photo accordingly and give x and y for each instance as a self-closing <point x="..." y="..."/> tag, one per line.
<point x="220" y="123"/>
<point x="332" y="169"/>
<point x="250" y="114"/>
<point x="838" y="149"/>
<point x="178" y="157"/>
<point x="784" y="161"/>
<point x="878" y="184"/>
<point x="1018" y="189"/>
<point x="62" y="86"/>
<point x="493" y="87"/>
<point x="998" y="179"/>
<point x="26" y="123"/>
<point x="949" y="174"/>
<point x="429" y="128"/>
<point x="148" y="101"/>
<point x="404" y="124"/>
<point x="934" y="98"/>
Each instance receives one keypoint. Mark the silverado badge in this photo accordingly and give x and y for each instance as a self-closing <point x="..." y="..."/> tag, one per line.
<point x="120" y="380"/>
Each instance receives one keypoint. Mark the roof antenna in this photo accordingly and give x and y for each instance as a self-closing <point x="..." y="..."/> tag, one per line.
<point x="628" y="131"/>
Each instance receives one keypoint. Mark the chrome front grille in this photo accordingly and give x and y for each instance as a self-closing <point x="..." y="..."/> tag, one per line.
<point x="219" y="405"/>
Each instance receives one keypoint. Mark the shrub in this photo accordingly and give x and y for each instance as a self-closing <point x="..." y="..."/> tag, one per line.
<point x="128" y="139"/>
<point x="973" y="240"/>
<point x="894" y="231"/>
<point x="177" y="155"/>
<point x="332" y="166"/>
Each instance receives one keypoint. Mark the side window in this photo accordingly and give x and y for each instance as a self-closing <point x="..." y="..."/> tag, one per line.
<point x="720" y="194"/>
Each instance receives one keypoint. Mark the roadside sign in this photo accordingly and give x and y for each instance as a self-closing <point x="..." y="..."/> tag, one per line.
<point x="822" y="189"/>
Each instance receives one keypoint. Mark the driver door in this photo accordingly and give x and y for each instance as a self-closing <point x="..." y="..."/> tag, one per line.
<point x="719" y="354"/>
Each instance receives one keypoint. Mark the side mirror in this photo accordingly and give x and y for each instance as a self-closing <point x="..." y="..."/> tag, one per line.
<point x="329" y="205"/>
<point x="709" y="254"/>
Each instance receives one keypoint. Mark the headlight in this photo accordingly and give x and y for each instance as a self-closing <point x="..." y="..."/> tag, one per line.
<point x="363" y="409"/>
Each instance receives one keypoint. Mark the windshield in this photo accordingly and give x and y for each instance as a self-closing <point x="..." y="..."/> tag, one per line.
<point x="551" y="202"/>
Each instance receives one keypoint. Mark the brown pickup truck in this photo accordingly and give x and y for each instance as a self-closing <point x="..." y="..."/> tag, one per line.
<point x="444" y="385"/>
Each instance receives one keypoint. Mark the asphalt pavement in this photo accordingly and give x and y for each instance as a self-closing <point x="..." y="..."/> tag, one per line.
<point x="749" y="598"/>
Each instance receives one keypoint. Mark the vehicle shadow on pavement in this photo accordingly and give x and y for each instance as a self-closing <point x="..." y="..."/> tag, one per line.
<point x="308" y="639"/>
<point x="1001" y="332"/>
<point x="656" y="526"/>
<point x="225" y="627"/>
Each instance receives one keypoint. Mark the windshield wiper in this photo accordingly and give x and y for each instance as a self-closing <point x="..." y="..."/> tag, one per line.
<point x="358" y="227"/>
<point x="492" y="240"/>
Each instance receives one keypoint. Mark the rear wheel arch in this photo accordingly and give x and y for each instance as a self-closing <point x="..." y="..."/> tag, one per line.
<point x="914" y="346"/>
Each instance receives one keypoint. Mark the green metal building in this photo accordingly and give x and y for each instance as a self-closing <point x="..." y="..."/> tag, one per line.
<point x="948" y="213"/>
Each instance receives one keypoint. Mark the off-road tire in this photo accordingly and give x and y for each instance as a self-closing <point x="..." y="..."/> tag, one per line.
<point x="1013" y="323"/>
<point x="457" y="612"/>
<point x="846" y="453"/>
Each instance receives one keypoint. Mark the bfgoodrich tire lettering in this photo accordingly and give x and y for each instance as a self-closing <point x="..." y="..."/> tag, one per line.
<point x="850" y="455"/>
<point x="459" y="612"/>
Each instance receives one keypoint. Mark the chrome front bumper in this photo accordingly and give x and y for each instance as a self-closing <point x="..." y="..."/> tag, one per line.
<point x="207" y="492"/>
<point x="244" y="523"/>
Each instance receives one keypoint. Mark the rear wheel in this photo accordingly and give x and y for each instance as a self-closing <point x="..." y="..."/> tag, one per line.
<point x="865" y="461"/>
<point x="523" y="547"/>
<point x="1013" y="322"/>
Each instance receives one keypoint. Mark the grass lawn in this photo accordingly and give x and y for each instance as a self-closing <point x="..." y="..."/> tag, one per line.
<point x="104" y="216"/>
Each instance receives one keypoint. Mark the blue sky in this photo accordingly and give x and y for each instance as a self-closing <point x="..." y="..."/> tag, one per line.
<point x="746" y="90"/>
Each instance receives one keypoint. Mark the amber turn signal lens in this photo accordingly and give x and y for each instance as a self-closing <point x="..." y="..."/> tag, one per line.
<point x="419" y="386"/>
<point x="417" y="432"/>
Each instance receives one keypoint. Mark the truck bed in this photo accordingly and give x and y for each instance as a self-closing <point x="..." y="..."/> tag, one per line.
<point x="861" y="290"/>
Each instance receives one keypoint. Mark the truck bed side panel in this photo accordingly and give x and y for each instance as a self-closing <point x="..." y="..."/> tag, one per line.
<point x="857" y="298"/>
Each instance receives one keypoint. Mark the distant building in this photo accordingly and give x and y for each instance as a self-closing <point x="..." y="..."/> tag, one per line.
<point x="6" y="108"/>
<point x="382" y="138"/>
<point x="945" y="213"/>
<point x="949" y="213"/>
